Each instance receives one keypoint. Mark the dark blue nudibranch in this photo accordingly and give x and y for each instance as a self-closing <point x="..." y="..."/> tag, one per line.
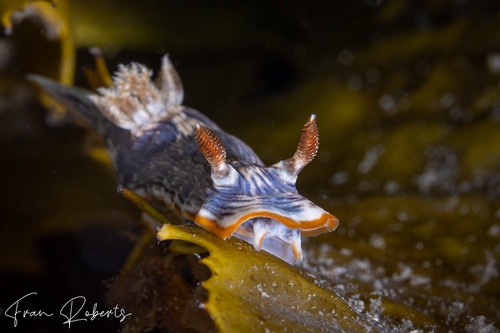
<point x="189" y="168"/>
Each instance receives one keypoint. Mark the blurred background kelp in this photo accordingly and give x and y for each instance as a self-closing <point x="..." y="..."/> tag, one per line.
<point x="407" y="98"/>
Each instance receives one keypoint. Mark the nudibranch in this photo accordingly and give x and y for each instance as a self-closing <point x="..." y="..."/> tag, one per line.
<point x="190" y="169"/>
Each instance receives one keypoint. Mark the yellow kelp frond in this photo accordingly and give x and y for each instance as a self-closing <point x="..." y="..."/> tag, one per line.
<point x="255" y="291"/>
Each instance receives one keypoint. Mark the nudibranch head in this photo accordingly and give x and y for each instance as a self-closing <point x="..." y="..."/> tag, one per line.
<point x="261" y="204"/>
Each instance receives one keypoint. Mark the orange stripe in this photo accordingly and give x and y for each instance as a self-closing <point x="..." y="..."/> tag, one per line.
<point x="332" y="225"/>
<point x="189" y="215"/>
<point x="325" y="223"/>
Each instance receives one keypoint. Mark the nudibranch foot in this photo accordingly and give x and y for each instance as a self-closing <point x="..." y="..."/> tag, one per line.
<point x="273" y="237"/>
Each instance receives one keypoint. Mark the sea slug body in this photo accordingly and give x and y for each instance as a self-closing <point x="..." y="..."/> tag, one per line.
<point x="190" y="169"/>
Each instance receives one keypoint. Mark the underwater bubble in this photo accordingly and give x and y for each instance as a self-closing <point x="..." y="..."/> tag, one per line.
<point x="494" y="230"/>
<point x="345" y="57"/>
<point x="388" y="104"/>
<point x="391" y="187"/>
<point x="339" y="178"/>
<point x="493" y="62"/>
<point x="377" y="241"/>
<point x="371" y="158"/>
<point x="447" y="100"/>
<point x="373" y="75"/>
<point x="355" y="83"/>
